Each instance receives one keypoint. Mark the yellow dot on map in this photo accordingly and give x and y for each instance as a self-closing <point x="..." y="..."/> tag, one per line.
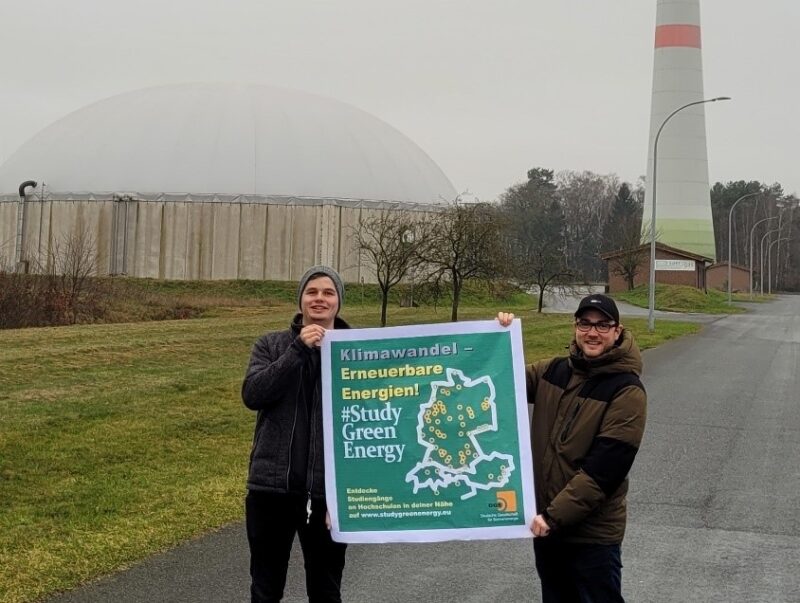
<point x="467" y="446"/>
<point x="491" y="476"/>
<point x="438" y="421"/>
<point x="484" y="405"/>
<point x="461" y="433"/>
<point x="460" y="407"/>
<point x="427" y="471"/>
<point x="432" y="440"/>
<point x="458" y="387"/>
<point x="460" y="417"/>
<point x="463" y="424"/>
<point x="474" y="455"/>
<point x="502" y="467"/>
<point x="449" y="417"/>
<point x="442" y="452"/>
<point x="431" y="429"/>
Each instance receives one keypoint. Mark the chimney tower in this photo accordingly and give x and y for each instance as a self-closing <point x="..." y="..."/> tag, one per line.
<point x="683" y="202"/>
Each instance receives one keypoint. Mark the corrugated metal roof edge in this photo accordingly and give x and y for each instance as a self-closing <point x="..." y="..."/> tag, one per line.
<point x="221" y="198"/>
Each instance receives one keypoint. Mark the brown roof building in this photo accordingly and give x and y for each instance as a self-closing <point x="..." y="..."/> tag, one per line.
<point x="631" y="268"/>
<point x="717" y="277"/>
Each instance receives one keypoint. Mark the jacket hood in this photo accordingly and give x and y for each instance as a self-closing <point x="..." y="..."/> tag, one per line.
<point x="623" y="357"/>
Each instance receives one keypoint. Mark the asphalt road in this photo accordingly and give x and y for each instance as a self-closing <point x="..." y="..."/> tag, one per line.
<point x="714" y="504"/>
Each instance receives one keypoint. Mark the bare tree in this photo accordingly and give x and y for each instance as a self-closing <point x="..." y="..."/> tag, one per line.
<point x="463" y="242"/>
<point x="61" y="288"/>
<point x="542" y="270"/>
<point x="623" y="235"/>
<point x="587" y="200"/>
<point x="535" y="233"/>
<point x="389" y="242"/>
<point x="627" y="262"/>
<point x="73" y="264"/>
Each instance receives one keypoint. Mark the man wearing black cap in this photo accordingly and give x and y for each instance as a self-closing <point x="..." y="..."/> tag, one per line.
<point x="286" y="481"/>
<point x="588" y="420"/>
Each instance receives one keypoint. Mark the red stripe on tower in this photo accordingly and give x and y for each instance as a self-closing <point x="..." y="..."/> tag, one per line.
<point x="678" y="35"/>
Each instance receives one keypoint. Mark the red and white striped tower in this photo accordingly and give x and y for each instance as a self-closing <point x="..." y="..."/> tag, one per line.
<point x="683" y="206"/>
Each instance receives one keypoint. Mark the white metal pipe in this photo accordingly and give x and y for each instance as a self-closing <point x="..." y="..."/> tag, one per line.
<point x="752" y="230"/>
<point x="769" y="262"/>
<point x="761" y="247"/>
<point x="651" y="320"/>
<point x="730" y="236"/>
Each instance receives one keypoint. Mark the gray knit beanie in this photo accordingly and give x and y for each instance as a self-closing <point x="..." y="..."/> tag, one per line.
<point x="321" y="271"/>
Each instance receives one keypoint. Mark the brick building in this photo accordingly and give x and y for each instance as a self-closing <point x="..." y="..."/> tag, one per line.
<point x="717" y="277"/>
<point x="673" y="267"/>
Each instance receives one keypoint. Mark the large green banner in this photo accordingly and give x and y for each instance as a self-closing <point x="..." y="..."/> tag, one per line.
<point x="426" y="433"/>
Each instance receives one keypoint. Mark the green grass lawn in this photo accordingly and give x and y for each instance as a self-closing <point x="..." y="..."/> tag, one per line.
<point x="677" y="298"/>
<point x="121" y="440"/>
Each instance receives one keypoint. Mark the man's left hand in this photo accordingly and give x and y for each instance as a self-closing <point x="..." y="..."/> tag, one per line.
<point x="540" y="527"/>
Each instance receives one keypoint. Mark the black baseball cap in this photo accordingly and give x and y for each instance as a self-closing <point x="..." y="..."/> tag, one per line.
<point x="601" y="303"/>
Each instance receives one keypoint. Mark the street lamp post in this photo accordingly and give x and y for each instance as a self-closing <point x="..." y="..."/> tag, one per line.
<point x="752" y="230"/>
<point x="651" y="319"/>
<point x="761" y="247"/>
<point x="769" y="263"/>
<point x="730" y="236"/>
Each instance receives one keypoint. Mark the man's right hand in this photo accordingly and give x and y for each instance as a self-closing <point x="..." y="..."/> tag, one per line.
<point x="505" y="318"/>
<point x="312" y="335"/>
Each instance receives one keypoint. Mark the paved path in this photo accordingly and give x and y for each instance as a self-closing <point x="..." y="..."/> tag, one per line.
<point x="714" y="505"/>
<point x="564" y="301"/>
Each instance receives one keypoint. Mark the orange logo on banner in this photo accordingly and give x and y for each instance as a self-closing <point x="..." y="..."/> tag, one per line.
<point x="507" y="501"/>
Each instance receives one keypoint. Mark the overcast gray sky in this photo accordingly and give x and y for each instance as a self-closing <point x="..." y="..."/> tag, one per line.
<point x="488" y="89"/>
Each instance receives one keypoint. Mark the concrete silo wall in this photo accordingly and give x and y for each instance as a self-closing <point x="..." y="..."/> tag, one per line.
<point x="8" y="233"/>
<point x="56" y="229"/>
<point x="191" y="240"/>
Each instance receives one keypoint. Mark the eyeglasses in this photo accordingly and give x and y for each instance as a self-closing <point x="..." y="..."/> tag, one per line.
<point x="584" y="325"/>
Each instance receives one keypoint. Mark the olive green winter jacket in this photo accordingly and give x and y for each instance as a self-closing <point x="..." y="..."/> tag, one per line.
<point x="588" y="421"/>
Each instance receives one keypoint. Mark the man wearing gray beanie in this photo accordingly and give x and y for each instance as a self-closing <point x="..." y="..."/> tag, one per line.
<point x="286" y="481"/>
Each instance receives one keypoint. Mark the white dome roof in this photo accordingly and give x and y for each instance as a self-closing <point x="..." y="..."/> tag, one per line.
<point x="227" y="139"/>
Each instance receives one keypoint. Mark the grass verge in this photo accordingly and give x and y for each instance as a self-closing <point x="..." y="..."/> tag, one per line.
<point x="679" y="298"/>
<point x="118" y="441"/>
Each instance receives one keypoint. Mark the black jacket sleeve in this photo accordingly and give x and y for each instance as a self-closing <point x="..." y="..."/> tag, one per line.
<point x="272" y="367"/>
<point x="608" y="461"/>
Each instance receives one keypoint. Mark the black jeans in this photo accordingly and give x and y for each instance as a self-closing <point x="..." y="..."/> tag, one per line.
<point x="272" y="522"/>
<point x="578" y="573"/>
